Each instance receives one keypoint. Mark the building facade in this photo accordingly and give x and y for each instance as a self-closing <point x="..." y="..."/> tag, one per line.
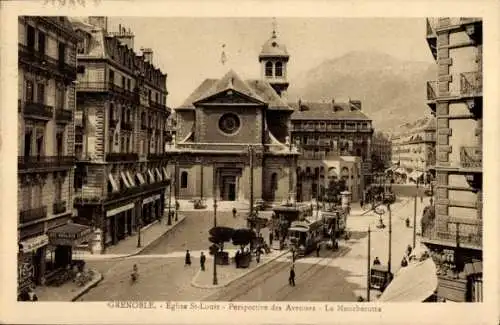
<point x="414" y="151"/>
<point x="331" y="135"/>
<point x="121" y="131"/>
<point x="232" y="141"/>
<point x="46" y="162"/>
<point x="381" y="152"/>
<point x="454" y="233"/>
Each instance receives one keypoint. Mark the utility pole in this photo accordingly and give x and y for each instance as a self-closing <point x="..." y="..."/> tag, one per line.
<point x="317" y="194"/>
<point x="250" y="154"/>
<point x="390" y="238"/>
<point x="368" y="263"/>
<point x="176" y="188"/>
<point x="214" y="190"/>
<point x="415" y="217"/>
<point x="169" y="222"/>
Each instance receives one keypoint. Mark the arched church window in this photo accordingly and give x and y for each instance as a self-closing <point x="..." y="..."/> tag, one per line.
<point x="278" y="69"/>
<point x="184" y="179"/>
<point x="269" y="69"/>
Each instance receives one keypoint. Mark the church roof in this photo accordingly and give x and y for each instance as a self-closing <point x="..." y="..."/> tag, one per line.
<point x="273" y="47"/>
<point x="326" y="111"/>
<point x="255" y="88"/>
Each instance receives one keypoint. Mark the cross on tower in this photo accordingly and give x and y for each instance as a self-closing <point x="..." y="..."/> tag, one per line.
<point x="275" y="26"/>
<point x="223" y="57"/>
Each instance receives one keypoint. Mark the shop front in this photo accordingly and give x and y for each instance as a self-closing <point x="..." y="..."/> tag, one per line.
<point x="152" y="208"/>
<point x="31" y="262"/>
<point x="119" y="223"/>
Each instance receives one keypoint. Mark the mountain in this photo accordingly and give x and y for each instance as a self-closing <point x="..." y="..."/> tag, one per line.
<point x="392" y="91"/>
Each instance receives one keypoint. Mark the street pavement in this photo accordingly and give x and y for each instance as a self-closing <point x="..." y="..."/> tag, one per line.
<point x="334" y="276"/>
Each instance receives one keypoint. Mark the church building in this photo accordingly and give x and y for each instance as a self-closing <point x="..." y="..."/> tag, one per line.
<point x="233" y="139"/>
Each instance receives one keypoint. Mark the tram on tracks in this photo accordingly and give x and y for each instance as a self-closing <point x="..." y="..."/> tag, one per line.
<point x="305" y="235"/>
<point x="334" y="222"/>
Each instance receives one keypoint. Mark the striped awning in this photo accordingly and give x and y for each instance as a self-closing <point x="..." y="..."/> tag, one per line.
<point x="70" y="234"/>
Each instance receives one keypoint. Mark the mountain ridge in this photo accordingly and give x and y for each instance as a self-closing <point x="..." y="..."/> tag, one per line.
<point x="392" y="91"/>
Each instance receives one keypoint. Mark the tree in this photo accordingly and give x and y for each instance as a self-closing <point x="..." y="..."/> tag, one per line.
<point x="243" y="237"/>
<point x="335" y="187"/>
<point x="220" y="235"/>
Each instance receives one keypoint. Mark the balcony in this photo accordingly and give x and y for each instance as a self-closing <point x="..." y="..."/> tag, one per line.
<point x="471" y="157"/>
<point x="154" y="104"/>
<point x="130" y="95"/>
<point x="129" y="126"/>
<point x="30" y="215"/>
<point x="38" y="111"/>
<point x="67" y="69"/>
<point x="158" y="156"/>
<point x="471" y="84"/>
<point x="121" y="156"/>
<point x="455" y="235"/>
<point x="64" y="115"/>
<point x="44" y="163"/>
<point x="59" y="207"/>
<point x="431" y="38"/>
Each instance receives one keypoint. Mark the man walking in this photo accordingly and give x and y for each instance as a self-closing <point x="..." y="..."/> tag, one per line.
<point x="202" y="261"/>
<point x="187" y="261"/>
<point x="318" y="247"/>
<point x="291" y="279"/>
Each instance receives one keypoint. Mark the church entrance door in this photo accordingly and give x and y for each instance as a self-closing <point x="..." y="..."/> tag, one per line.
<point x="228" y="188"/>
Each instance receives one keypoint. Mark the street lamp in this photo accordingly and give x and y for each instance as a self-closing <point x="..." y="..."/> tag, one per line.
<point x="214" y="191"/>
<point x="139" y="233"/>
<point x="176" y="190"/>
<point x="250" y="156"/>
<point x="169" y="202"/>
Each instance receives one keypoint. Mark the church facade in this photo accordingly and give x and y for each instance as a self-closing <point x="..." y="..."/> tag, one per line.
<point x="232" y="140"/>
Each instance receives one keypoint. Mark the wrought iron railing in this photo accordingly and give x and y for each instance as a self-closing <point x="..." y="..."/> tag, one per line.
<point x="122" y="156"/>
<point x="59" y="207"/>
<point x="158" y="156"/>
<point x="456" y="234"/>
<point x="64" y="115"/>
<point x="38" y="110"/>
<point x="471" y="83"/>
<point x="33" y="214"/>
<point x="471" y="157"/>
<point x="43" y="162"/>
<point x="107" y="86"/>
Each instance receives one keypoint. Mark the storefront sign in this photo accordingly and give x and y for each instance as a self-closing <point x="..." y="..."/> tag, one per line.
<point x="25" y="272"/>
<point x="121" y="209"/>
<point x="34" y="243"/>
<point x="151" y="199"/>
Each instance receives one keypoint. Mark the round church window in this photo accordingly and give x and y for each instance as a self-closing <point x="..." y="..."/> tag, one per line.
<point x="229" y="123"/>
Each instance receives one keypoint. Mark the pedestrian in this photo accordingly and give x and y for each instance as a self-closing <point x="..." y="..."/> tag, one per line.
<point x="421" y="199"/>
<point x="234" y="212"/>
<point x="202" y="261"/>
<point x="291" y="279"/>
<point x="409" y="249"/>
<point x="271" y="238"/>
<point x="187" y="261"/>
<point x="404" y="262"/>
<point x="237" y="258"/>
<point x="376" y="261"/>
<point x="361" y="203"/>
<point x="318" y="247"/>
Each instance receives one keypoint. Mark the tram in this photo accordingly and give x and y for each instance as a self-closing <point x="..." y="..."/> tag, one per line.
<point x="305" y="235"/>
<point x="334" y="223"/>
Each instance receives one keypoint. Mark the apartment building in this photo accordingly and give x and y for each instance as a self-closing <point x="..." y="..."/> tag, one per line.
<point x="46" y="162"/>
<point x="454" y="232"/>
<point x="121" y="130"/>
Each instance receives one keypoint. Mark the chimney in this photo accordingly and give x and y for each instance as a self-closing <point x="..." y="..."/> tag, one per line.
<point x="333" y="104"/>
<point x="125" y="37"/>
<point x="99" y="22"/>
<point x="300" y="105"/>
<point x="147" y="53"/>
<point x="355" y="105"/>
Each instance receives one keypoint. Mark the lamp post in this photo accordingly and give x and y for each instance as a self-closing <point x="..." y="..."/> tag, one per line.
<point x="214" y="191"/>
<point x="176" y="190"/>
<point x="139" y="234"/>
<point x="368" y="263"/>
<point x="250" y="156"/>
<point x="317" y="193"/>
<point x="415" y="216"/>
<point x="390" y="238"/>
<point x="169" y="222"/>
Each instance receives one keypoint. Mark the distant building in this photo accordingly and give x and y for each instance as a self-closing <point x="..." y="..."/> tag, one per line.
<point x="330" y="135"/>
<point x="121" y="131"/>
<point x="381" y="152"/>
<point x="454" y="234"/>
<point x="46" y="162"/>
<point x="413" y="151"/>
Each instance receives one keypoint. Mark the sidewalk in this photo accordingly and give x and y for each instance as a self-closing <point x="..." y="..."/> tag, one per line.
<point x="128" y="246"/>
<point x="226" y="274"/>
<point x="69" y="291"/>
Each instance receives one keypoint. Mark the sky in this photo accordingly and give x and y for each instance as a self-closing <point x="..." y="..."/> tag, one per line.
<point x="189" y="49"/>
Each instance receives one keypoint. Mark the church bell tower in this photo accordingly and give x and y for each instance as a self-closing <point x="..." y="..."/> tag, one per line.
<point x="274" y="59"/>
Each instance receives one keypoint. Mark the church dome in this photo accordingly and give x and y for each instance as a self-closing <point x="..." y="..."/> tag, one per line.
<point x="273" y="48"/>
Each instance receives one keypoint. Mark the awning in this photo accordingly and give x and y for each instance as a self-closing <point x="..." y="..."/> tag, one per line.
<point x="165" y="173"/>
<point x="475" y="267"/>
<point x="70" y="234"/>
<point x="151" y="199"/>
<point x="34" y="243"/>
<point x="125" y="180"/>
<point x="414" y="283"/>
<point x="113" y="183"/>
<point x="151" y="176"/>
<point x="130" y="179"/>
<point x="158" y="174"/>
<point x="141" y="179"/>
